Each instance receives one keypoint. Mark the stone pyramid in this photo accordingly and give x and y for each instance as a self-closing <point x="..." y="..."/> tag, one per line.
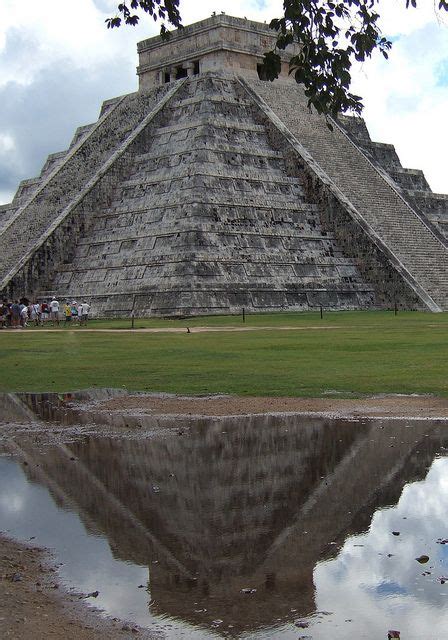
<point x="210" y="190"/>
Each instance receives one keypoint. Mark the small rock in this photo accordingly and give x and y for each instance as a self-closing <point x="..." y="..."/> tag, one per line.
<point x="395" y="533"/>
<point x="94" y="594"/>
<point x="393" y="634"/>
<point x="302" y="624"/>
<point x="17" y="577"/>
<point x="423" y="560"/>
<point x="248" y="590"/>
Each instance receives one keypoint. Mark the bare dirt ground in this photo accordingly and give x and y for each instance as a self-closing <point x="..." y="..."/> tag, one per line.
<point x="389" y="406"/>
<point x="33" y="605"/>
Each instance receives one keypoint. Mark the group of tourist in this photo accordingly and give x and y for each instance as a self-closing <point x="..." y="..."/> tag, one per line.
<point x="19" y="314"/>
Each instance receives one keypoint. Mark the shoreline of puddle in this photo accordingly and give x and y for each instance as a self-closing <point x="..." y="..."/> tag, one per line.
<point x="231" y="443"/>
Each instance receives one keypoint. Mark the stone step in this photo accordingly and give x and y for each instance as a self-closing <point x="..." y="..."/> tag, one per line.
<point x="208" y="171"/>
<point x="215" y="123"/>
<point x="374" y="199"/>
<point x="156" y="153"/>
<point x="47" y="206"/>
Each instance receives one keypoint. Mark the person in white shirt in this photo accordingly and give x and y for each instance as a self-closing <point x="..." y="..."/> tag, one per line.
<point x="24" y="316"/>
<point x="85" y="308"/>
<point x="54" y="311"/>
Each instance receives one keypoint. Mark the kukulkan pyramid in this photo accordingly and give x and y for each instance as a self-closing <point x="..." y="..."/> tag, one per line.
<point x="210" y="190"/>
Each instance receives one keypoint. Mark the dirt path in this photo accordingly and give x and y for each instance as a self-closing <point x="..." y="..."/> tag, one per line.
<point x="392" y="406"/>
<point x="205" y="329"/>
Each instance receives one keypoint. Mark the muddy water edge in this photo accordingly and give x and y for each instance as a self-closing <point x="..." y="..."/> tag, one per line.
<point x="253" y="526"/>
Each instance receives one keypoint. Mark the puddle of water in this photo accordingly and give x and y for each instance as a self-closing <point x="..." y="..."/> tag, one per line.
<point x="241" y="527"/>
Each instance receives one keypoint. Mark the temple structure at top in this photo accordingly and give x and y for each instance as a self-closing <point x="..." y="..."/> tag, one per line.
<point x="210" y="190"/>
<point x="216" y="44"/>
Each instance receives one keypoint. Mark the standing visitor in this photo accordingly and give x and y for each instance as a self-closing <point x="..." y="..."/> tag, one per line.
<point x="54" y="311"/>
<point x="23" y="315"/>
<point x="85" y="308"/>
<point x="74" y="309"/>
<point x="8" y="313"/>
<point x="67" y="313"/>
<point x="36" y="313"/>
<point x="4" y="311"/>
<point x="44" y="311"/>
<point x="15" y="314"/>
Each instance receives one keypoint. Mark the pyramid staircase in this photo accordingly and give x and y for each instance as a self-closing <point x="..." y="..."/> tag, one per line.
<point x="177" y="201"/>
<point x="418" y="253"/>
<point x="207" y="220"/>
<point x="46" y="203"/>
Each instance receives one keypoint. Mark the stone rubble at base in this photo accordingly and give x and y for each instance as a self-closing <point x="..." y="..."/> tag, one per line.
<point x="209" y="191"/>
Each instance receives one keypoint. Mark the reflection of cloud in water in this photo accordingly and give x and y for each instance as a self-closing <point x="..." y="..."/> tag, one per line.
<point x="11" y="502"/>
<point x="88" y="563"/>
<point x="248" y="502"/>
<point x="374" y="590"/>
<point x="14" y="500"/>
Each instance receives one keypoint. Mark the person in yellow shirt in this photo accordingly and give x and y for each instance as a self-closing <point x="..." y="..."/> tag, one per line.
<point x="67" y="313"/>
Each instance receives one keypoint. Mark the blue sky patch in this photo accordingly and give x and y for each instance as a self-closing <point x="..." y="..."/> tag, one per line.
<point x="441" y="73"/>
<point x="390" y="589"/>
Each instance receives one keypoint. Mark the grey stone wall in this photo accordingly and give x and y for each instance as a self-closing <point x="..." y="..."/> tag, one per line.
<point x="409" y="243"/>
<point x="411" y="183"/>
<point x="196" y="199"/>
<point x="207" y="220"/>
<point x="26" y="239"/>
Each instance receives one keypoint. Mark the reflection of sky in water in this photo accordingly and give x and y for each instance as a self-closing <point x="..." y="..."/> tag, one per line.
<point x="378" y="592"/>
<point x="27" y="510"/>
<point x="367" y="590"/>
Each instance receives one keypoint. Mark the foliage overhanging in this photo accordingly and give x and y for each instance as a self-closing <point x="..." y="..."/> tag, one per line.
<point x="331" y="35"/>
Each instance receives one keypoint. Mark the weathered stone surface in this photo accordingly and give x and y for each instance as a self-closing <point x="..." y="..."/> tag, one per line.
<point x="409" y="242"/>
<point x="215" y="193"/>
<point x="411" y="183"/>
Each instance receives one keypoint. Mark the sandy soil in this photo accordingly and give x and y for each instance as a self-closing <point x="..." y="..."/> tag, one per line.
<point x="375" y="406"/>
<point x="33" y="605"/>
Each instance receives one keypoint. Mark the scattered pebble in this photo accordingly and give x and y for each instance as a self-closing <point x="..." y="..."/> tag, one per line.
<point x="302" y="624"/>
<point x="422" y="559"/>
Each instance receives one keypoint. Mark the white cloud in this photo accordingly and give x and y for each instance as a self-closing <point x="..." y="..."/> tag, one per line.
<point x="7" y="143"/>
<point x="405" y="103"/>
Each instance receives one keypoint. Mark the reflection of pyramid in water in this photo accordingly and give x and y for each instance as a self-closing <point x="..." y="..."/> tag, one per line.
<point x="231" y="504"/>
<point x="216" y="192"/>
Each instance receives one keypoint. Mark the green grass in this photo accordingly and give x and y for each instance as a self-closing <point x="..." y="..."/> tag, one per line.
<point x="343" y="318"/>
<point x="353" y="352"/>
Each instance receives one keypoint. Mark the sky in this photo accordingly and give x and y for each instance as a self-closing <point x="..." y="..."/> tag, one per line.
<point x="58" y="62"/>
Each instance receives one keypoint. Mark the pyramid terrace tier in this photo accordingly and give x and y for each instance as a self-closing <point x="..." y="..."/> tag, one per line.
<point x="187" y="300"/>
<point x="193" y="199"/>
<point x="371" y="199"/>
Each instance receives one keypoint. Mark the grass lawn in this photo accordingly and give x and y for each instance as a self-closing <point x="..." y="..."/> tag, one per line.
<point x="346" y="352"/>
